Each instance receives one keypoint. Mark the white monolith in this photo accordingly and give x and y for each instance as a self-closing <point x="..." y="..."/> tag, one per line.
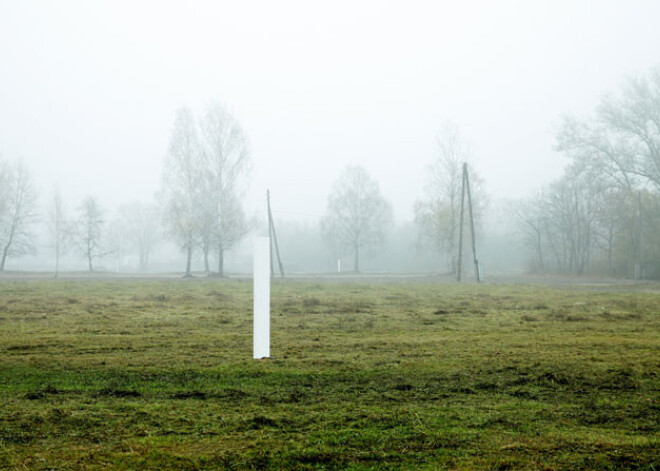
<point x="262" y="297"/>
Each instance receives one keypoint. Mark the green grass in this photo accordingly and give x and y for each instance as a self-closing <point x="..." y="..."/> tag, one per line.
<point x="159" y="375"/>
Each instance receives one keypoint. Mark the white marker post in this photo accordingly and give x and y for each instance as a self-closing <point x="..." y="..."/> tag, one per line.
<point x="261" y="279"/>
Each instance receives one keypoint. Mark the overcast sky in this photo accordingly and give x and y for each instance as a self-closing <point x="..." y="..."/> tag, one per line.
<point x="89" y="89"/>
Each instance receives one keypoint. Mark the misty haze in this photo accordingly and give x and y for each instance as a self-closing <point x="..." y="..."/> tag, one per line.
<point x="553" y="107"/>
<point x="463" y="207"/>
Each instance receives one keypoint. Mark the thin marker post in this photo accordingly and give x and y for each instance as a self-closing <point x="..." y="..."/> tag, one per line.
<point x="261" y="277"/>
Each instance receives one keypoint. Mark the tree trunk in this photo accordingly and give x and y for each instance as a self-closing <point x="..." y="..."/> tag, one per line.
<point x="5" y="252"/>
<point x="357" y="259"/>
<point x="539" y="251"/>
<point x="610" y="249"/>
<point x="144" y="260"/>
<point x="89" y="262"/>
<point x="221" y="263"/>
<point x="206" y="259"/>
<point x="188" y="261"/>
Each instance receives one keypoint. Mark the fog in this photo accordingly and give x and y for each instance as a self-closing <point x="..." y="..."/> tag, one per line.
<point x="89" y="91"/>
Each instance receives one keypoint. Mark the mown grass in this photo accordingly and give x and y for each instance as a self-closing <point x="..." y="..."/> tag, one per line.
<point x="159" y="375"/>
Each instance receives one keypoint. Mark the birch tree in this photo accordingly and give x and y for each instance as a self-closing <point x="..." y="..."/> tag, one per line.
<point x="18" y="198"/>
<point x="227" y="165"/>
<point x="357" y="215"/>
<point x="183" y="185"/>
<point x="59" y="228"/>
<point x="89" y="229"/>
<point x="140" y="226"/>
<point x="204" y="179"/>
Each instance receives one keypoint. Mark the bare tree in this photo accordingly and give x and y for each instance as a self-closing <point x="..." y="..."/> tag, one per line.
<point x="6" y="183"/>
<point x="438" y="212"/>
<point x="572" y="209"/>
<point x="230" y="228"/>
<point x="530" y="218"/>
<point x="563" y="225"/>
<point x="89" y="230"/>
<point x="618" y="146"/>
<point x="141" y="228"/>
<point x="227" y="165"/>
<point x="183" y="185"/>
<point x="621" y="141"/>
<point x="18" y="198"/>
<point x="579" y="224"/>
<point x="357" y="215"/>
<point x="616" y="238"/>
<point x="203" y="182"/>
<point x="116" y="241"/>
<point x="59" y="228"/>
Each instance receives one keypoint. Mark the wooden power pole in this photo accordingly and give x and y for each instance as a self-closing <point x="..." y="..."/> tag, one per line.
<point x="465" y="189"/>
<point x="459" y="267"/>
<point x="273" y="240"/>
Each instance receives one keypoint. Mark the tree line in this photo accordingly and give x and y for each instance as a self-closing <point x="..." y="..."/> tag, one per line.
<point x="600" y="216"/>
<point x="200" y="209"/>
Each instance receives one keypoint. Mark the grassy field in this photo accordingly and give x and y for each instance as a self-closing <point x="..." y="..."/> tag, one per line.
<point x="389" y="375"/>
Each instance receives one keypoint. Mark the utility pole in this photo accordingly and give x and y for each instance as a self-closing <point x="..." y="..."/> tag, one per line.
<point x="474" y="246"/>
<point x="639" y="265"/>
<point x="460" y="229"/>
<point x="465" y="188"/>
<point x="273" y="239"/>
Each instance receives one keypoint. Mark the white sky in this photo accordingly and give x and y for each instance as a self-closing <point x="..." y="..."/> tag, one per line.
<point x="89" y="89"/>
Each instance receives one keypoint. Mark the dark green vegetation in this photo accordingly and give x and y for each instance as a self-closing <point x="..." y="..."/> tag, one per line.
<point x="159" y="375"/>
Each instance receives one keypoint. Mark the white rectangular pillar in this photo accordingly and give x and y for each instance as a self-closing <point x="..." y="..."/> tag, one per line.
<point x="261" y="279"/>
